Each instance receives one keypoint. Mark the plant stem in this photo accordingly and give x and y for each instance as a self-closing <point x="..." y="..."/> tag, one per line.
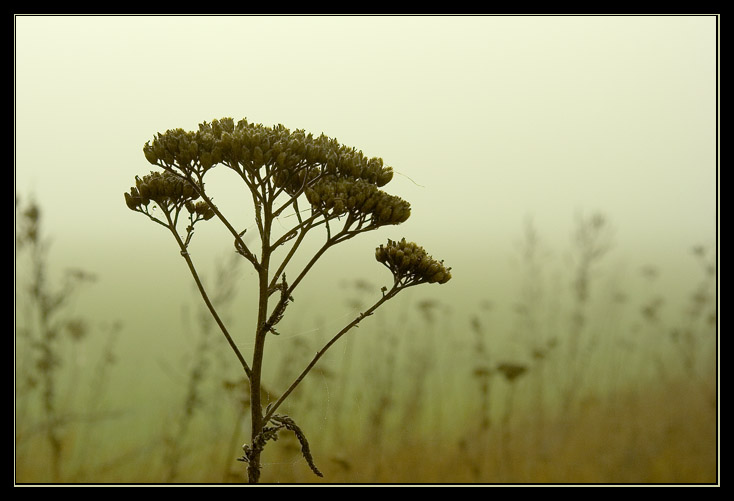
<point x="199" y="187"/>
<point x="388" y="295"/>
<point x="208" y="302"/>
<point x="253" y="468"/>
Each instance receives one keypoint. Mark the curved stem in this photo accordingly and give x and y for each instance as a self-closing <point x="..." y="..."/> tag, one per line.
<point x="338" y="238"/>
<point x="388" y="295"/>
<point x="303" y="225"/>
<point x="208" y="302"/>
<point x="303" y="230"/>
<point x="343" y="235"/>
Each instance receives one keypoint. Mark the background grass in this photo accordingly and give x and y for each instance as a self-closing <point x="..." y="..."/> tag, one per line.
<point x="581" y="377"/>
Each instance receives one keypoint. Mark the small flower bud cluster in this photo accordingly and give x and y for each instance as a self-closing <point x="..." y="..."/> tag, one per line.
<point x="295" y="158"/>
<point x="326" y="157"/>
<point x="338" y="196"/>
<point x="336" y="179"/>
<point x="201" y="209"/>
<point x="175" y="147"/>
<point x="165" y="189"/>
<point x="407" y="260"/>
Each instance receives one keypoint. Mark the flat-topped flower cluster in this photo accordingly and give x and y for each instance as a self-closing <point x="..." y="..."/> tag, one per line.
<point x="409" y="262"/>
<point x="168" y="191"/>
<point x="336" y="180"/>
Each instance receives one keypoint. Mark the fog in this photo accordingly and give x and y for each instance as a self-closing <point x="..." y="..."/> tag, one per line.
<point x="494" y="125"/>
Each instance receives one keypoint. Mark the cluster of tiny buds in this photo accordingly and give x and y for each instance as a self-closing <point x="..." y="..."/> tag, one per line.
<point x="335" y="179"/>
<point x="409" y="262"/>
<point x="338" y="196"/>
<point x="166" y="189"/>
<point x="252" y="146"/>
<point x="201" y="209"/>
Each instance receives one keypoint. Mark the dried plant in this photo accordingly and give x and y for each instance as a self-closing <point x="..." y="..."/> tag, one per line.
<point x="593" y="239"/>
<point x="700" y="315"/>
<point x="279" y="168"/>
<point x="49" y="337"/>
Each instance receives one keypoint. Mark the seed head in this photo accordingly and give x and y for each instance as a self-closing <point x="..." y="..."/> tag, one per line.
<point x="293" y="157"/>
<point x="409" y="262"/>
<point x="166" y="189"/>
<point x="201" y="209"/>
<point x="337" y="196"/>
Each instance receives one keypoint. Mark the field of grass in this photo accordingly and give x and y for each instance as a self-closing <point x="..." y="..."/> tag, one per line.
<point x="628" y="438"/>
<point x="602" y="385"/>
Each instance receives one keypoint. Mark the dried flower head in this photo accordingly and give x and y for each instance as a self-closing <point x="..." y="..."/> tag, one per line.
<point x="201" y="209"/>
<point x="410" y="263"/>
<point x="336" y="196"/>
<point x="165" y="189"/>
<point x="336" y="180"/>
<point x="294" y="158"/>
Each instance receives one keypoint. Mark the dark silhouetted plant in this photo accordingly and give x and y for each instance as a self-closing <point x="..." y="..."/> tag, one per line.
<point x="280" y="168"/>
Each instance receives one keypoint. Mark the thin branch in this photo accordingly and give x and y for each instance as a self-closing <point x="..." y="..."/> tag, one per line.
<point x="306" y="182"/>
<point x="291" y="252"/>
<point x="295" y="208"/>
<point x="388" y="295"/>
<point x="205" y="296"/>
<point x="243" y="173"/>
<point x="307" y="223"/>
<point x="199" y="187"/>
<point x="342" y="236"/>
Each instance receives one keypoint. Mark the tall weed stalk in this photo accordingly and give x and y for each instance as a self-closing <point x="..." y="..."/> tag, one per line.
<point x="323" y="185"/>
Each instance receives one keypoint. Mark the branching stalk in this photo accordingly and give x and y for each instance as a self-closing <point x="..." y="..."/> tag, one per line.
<point x="338" y="183"/>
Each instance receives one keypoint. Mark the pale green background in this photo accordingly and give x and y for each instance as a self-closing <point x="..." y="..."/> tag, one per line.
<point x="487" y="120"/>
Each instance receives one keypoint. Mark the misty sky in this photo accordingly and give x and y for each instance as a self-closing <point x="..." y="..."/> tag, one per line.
<point x="487" y="120"/>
